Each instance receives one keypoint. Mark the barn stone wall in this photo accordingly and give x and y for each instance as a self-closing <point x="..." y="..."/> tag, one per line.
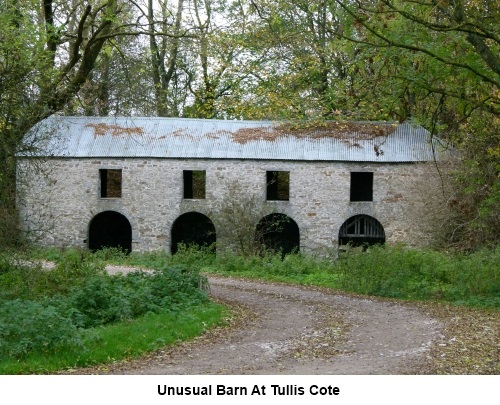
<point x="58" y="200"/>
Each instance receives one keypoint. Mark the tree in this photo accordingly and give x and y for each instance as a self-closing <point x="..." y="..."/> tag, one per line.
<point x="216" y="58"/>
<point x="299" y="61"/>
<point x="458" y="42"/>
<point x="246" y="224"/>
<point x="47" y="52"/>
<point x="164" y="51"/>
<point x="448" y="78"/>
<point x="120" y="83"/>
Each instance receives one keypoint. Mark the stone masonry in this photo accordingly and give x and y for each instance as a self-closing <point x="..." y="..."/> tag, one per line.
<point x="59" y="198"/>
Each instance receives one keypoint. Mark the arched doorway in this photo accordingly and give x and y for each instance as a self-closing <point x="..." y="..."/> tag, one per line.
<point x="110" y="229"/>
<point x="279" y="233"/>
<point x="361" y="230"/>
<point x="192" y="228"/>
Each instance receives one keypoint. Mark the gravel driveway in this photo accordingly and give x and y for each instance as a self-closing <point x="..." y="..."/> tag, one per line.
<point x="285" y="329"/>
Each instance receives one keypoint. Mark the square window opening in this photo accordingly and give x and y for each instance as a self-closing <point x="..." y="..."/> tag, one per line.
<point x="194" y="184"/>
<point x="278" y="186"/>
<point x="111" y="183"/>
<point x="361" y="186"/>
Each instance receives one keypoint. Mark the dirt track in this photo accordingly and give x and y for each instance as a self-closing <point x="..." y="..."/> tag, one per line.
<point x="294" y="330"/>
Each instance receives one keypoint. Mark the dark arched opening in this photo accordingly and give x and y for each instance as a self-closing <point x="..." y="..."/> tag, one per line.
<point x="279" y="233"/>
<point x="361" y="230"/>
<point x="193" y="228"/>
<point x="110" y="229"/>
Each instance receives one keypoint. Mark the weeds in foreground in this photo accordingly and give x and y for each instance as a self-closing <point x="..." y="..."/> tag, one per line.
<point x="472" y="280"/>
<point x="123" y="340"/>
<point x="77" y="315"/>
<point x="52" y="313"/>
<point x="396" y="272"/>
<point x="388" y="271"/>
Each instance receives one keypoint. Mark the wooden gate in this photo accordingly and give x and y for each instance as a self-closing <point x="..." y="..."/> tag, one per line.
<point x="361" y="230"/>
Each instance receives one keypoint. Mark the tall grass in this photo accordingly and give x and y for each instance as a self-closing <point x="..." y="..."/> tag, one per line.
<point x="424" y="274"/>
<point x="77" y="315"/>
<point x="386" y="271"/>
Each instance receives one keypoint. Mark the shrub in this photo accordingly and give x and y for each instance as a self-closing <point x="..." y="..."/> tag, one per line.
<point x="388" y="271"/>
<point x="26" y="281"/>
<point x="27" y="326"/>
<point x="423" y="274"/>
<point x="44" y="310"/>
<point x="193" y="257"/>
<point x="103" y="299"/>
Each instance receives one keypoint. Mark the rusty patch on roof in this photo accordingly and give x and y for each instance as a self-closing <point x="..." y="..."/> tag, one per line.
<point x="217" y="134"/>
<point x="178" y="132"/>
<point x="346" y="131"/>
<point x="115" y="130"/>
<point x="244" y="135"/>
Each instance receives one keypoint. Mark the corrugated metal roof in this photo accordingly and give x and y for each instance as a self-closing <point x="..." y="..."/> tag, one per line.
<point x="216" y="139"/>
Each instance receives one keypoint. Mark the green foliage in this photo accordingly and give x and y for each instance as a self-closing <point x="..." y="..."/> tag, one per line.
<point x="102" y="299"/>
<point x="187" y="257"/>
<point x="424" y="274"/>
<point x="44" y="63"/>
<point x="396" y="272"/>
<point x="43" y="309"/>
<point x="27" y="326"/>
<point x="122" y="340"/>
<point x="80" y="324"/>
<point x="31" y="281"/>
<point x="476" y="199"/>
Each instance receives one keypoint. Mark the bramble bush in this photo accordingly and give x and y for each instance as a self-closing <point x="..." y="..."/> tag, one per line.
<point x="46" y="310"/>
<point x="22" y="279"/>
<point x="103" y="299"/>
<point x="27" y="326"/>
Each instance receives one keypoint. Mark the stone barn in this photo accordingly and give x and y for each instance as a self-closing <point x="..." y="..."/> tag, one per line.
<point x="147" y="184"/>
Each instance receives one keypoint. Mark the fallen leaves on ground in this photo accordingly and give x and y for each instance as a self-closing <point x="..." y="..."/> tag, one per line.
<point x="470" y="343"/>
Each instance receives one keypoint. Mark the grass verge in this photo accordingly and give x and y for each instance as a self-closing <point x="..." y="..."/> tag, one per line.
<point x="119" y="341"/>
<point x="75" y="314"/>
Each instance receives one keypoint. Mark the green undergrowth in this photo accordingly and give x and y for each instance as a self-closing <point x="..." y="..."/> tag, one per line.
<point x="77" y="314"/>
<point x="124" y="340"/>
<point x="387" y="271"/>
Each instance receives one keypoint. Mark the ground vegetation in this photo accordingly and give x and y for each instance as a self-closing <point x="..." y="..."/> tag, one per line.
<point x="73" y="313"/>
